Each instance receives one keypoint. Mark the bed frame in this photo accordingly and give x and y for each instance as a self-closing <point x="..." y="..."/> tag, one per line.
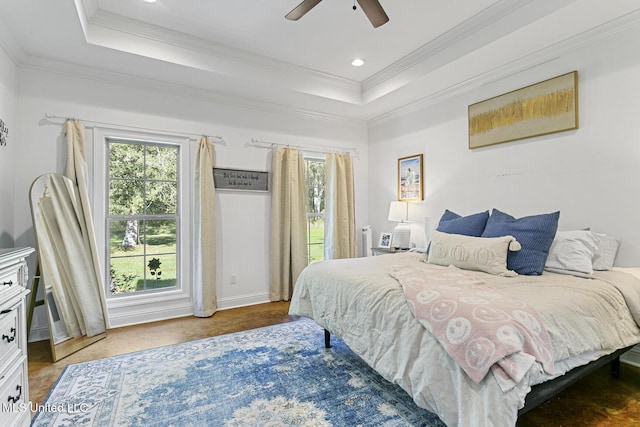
<point x="543" y="392"/>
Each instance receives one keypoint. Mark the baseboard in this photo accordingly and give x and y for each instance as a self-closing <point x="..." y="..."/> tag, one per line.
<point x="39" y="333"/>
<point x="632" y="357"/>
<point x="242" y="301"/>
<point x="153" y="314"/>
<point x="156" y="312"/>
<point x="173" y="311"/>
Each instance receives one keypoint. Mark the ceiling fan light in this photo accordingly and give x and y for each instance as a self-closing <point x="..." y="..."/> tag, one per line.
<point x="358" y="62"/>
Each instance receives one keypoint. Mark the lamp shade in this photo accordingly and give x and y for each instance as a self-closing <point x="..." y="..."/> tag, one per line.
<point x="399" y="211"/>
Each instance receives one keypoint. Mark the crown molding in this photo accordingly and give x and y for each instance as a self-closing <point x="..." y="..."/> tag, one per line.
<point x="121" y="33"/>
<point x="463" y="35"/>
<point x="10" y="45"/>
<point x="105" y="29"/>
<point x="527" y="61"/>
<point x="180" y="90"/>
<point x="279" y="88"/>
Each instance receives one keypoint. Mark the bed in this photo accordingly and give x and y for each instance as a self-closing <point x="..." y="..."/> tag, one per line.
<point x="364" y="302"/>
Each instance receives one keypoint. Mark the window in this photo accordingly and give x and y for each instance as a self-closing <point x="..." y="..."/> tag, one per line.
<point x="142" y="216"/>
<point x="315" y="189"/>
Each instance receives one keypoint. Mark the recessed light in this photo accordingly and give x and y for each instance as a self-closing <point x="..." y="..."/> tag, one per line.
<point x="150" y="1"/>
<point x="358" y="62"/>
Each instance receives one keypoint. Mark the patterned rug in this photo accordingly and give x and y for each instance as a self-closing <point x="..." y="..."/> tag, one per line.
<point x="275" y="376"/>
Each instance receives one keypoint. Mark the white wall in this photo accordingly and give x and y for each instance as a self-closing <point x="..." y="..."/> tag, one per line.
<point x="592" y="175"/>
<point x="8" y="110"/>
<point x="243" y="218"/>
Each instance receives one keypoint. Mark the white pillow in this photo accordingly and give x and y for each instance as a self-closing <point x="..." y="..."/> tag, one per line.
<point x="488" y="254"/>
<point x="572" y="251"/>
<point x="569" y="272"/>
<point x="605" y="252"/>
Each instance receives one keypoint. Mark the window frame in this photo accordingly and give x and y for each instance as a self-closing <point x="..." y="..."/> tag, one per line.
<point x="140" y="307"/>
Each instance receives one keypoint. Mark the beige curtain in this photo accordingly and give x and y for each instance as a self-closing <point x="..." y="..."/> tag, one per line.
<point x="78" y="172"/>
<point x="204" y="236"/>
<point x="67" y="245"/>
<point x="339" y="231"/>
<point x="288" y="223"/>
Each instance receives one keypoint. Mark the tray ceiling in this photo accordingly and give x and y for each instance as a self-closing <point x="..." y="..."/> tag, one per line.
<point x="248" y="51"/>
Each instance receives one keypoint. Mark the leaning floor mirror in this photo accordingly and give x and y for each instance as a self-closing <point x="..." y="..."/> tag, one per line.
<point x="68" y="278"/>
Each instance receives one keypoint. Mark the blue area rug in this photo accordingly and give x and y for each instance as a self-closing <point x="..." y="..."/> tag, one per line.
<point x="275" y="376"/>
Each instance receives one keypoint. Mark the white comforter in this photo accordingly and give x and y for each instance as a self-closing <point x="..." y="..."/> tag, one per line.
<point x="357" y="300"/>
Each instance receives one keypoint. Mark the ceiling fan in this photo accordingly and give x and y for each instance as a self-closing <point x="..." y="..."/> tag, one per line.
<point x="371" y="8"/>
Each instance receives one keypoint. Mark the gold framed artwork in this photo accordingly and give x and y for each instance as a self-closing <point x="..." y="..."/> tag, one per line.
<point x="546" y="107"/>
<point x="410" y="181"/>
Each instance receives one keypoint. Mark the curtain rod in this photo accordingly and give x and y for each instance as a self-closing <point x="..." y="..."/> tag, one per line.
<point x="340" y="150"/>
<point x="216" y="139"/>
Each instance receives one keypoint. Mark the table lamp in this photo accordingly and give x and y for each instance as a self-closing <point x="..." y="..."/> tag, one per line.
<point x="399" y="211"/>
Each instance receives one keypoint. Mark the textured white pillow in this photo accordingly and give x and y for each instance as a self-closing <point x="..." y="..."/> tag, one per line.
<point x="488" y="254"/>
<point x="569" y="272"/>
<point x="606" y="252"/>
<point x="573" y="251"/>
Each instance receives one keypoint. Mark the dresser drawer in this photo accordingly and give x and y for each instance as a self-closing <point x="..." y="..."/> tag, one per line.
<point x="10" y="335"/>
<point x="10" y="278"/>
<point x="14" y="407"/>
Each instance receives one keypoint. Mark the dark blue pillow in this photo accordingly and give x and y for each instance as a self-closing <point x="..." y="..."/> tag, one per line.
<point x="471" y="225"/>
<point x="535" y="234"/>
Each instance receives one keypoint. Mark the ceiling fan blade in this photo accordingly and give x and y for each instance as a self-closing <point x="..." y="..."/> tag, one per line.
<point x="299" y="11"/>
<point x="374" y="12"/>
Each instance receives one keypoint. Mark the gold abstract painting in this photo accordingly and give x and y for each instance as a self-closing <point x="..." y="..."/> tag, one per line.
<point x="542" y="108"/>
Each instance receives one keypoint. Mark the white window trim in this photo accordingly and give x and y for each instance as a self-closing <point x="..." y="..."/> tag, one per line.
<point x="146" y="307"/>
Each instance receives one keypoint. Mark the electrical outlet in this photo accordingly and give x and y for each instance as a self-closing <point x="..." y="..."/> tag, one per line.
<point x="233" y="279"/>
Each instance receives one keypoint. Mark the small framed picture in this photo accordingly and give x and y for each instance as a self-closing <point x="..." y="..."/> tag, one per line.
<point x="385" y="240"/>
<point x="410" y="181"/>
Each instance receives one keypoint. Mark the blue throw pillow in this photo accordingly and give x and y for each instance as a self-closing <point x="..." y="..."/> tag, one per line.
<point x="471" y="225"/>
<point x="535" y="234"/>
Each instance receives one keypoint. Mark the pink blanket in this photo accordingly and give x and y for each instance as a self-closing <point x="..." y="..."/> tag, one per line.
<point x="480" y="327"/>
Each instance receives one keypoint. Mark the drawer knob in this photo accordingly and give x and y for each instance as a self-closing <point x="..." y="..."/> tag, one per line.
<point x="10" y="338"/>
<point x="15" y="399"/>
<point x="9" y="283"/>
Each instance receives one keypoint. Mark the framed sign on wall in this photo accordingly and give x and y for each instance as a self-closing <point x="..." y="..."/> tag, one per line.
<point x="240" y="179"/>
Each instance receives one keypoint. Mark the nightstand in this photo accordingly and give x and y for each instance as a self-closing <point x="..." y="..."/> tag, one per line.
<point x="384" y="251"/>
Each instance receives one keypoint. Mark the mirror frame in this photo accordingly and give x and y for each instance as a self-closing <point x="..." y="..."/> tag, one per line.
<point x="61" y="344"/>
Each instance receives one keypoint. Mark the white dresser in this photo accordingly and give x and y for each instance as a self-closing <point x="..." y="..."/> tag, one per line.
<point x="14" y="383"/>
